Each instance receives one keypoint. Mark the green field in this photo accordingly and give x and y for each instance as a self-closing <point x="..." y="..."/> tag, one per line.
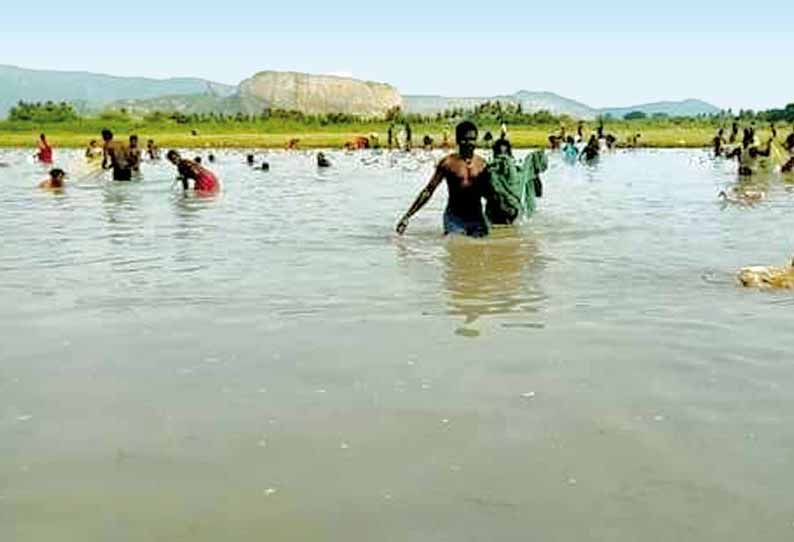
<point x="276" y="133"/>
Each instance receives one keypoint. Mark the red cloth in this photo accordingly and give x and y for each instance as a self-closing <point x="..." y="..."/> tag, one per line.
<point x="206" y="182"/>
<point x="45" y="153"/>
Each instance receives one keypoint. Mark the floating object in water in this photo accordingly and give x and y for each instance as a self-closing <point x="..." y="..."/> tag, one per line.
<point x="767" y="276"/>
<point x="742" y="196"/>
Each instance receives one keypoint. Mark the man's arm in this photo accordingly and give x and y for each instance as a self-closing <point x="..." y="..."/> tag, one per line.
<point x="734" y="153"/>
<point x="105" y="157"/>
<point x="423" y="197"/>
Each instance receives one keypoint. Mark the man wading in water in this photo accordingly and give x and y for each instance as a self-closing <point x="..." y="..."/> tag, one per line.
<point x="116" y="155"/>
<point x="467" y="183"/>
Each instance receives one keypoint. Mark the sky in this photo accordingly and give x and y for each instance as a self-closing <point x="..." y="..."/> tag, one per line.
<point x="613" y="53"/>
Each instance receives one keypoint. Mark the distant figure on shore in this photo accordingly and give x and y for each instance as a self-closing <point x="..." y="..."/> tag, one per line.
<point x="116" y="156"/>
<point x="203" y="179"/>
<point x="322" y="161"/>
<point x="466" y="176"/>
<point x="93" y="151"/>
<point x="579" y="133"/>
<point x="503" y="131"/>
<point x="135" y="156"/>
<point x="445" y="140"/>
<point x="55" y="182"/>
<point x="591" y="150"/>
<point x="390" y="137"/>
<point x="408" y="140"/>
<point x="292" y="144"/>
<point x="748" y="153"/>
<point x="152" y="151"/>
<point x="44" y="154"/>
<point x="719" y="142"/>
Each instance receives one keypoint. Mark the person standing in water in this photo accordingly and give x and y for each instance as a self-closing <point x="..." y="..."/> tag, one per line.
<point x="135" y="156"/>
<point x="748" y="153"/>
<point x="408" y="142"/>
<point x="591" y="150"/>
<point x="116" y="156"/>
<point x="203" y="179"/>
<point x="152" y="151"/>
<point x="719" y="142"/>
<point x="44" y="154"/>
<point x="55" y="182"/>
<point x="93" y="151"/>
<point x="467" y="179"/>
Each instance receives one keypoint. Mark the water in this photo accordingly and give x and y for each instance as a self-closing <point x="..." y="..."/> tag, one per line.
<point x="274" y="363"/>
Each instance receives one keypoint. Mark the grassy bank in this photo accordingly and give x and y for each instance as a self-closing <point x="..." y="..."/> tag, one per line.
<point x="692" y="133"/>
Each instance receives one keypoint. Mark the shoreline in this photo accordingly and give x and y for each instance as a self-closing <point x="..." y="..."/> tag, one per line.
<point x="520" y="137"/>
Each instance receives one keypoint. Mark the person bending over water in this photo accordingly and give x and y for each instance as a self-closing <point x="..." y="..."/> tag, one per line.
<point x="203" y="179"/>
<point x="466" y="176"/>
<point x="55" y="182"/>
<point x="44" y="154"/>
<point x="116" y="156"/>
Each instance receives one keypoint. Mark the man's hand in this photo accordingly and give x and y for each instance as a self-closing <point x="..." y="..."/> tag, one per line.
<point x="402" y="225"/>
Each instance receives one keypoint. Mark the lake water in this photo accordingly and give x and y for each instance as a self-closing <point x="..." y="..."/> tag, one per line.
<point x="275" y="364"/>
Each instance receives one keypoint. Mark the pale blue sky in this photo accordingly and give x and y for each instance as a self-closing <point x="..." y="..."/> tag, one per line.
<point x="600" y="53"/>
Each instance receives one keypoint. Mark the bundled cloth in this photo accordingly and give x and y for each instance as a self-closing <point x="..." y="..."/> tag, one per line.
<point x="514" y="188"/>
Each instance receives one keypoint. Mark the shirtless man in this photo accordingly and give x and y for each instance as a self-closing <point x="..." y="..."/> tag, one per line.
<point x="467" y="183"/>
<point x="135" y="156"/>
<point x="55" y="182"/>
<point x="116" y="156"/>
<point x="152" y="151"/>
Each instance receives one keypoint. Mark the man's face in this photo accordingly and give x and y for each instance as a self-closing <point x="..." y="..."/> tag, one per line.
<point x="468" y="141"/>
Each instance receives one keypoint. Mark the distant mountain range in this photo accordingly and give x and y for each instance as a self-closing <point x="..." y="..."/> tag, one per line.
<point x="91" y="92"/>
<point x="558" y="105"/>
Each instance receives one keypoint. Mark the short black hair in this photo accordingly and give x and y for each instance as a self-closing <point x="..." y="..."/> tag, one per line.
<point x="463" y="127"/>
<point x="171" y="153"/>
<point x="107" y="134"/>
<point x="57" y="172"/>
<point x="500" y="143"/>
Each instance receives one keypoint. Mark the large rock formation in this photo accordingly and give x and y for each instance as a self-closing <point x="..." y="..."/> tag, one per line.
<point x="316" y="94"/>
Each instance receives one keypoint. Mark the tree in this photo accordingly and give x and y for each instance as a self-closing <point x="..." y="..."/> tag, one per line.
<point x="635" y="115"/>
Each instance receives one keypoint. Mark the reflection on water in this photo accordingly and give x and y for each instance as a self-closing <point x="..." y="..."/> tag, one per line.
<point x="276" y="360"/>
<point x="495" y="276"/>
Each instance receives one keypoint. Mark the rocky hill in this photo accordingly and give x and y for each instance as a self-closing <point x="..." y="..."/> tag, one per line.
<point x="316" y="94"/>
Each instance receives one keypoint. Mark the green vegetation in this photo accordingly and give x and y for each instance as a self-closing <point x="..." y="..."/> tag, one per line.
<point x="274" y="128"/>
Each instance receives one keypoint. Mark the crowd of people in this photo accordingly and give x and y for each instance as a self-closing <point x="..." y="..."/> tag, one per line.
<point x="508" y="188"/>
